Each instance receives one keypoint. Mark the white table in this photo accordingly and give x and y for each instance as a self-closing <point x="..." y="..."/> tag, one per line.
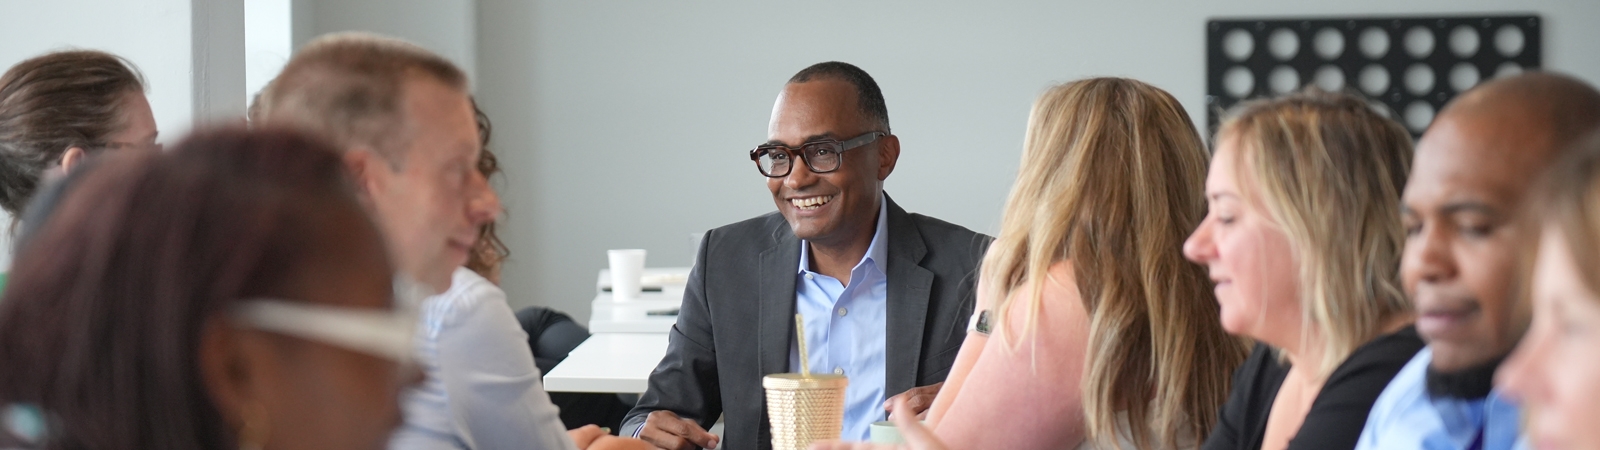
<point x="628" y="341"/>
<point x="609" y="363"/>
<point x="634" y="316"/>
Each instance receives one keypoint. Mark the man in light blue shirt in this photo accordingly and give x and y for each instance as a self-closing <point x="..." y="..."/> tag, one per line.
<point x="845" y="328"/>
<point x="885" y="294"/>
<point x="1471" y="172"/>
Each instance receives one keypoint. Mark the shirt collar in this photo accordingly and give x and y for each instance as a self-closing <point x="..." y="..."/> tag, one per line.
<point x="1473" y="383"/>
<point x="877" y="251"/>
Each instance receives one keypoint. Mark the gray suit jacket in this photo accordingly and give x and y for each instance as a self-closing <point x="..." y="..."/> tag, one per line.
<point x="737" y="319"/>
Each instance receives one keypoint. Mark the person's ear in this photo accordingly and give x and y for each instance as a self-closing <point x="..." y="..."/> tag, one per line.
<point x="71" y="158"/>
<point x="888" y="154"/>
<point x="234" y="370"/>
<point x="368" y="169"/>
<point x="226" y="371"/>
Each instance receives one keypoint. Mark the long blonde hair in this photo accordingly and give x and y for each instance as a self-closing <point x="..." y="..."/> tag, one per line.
<point x="1329" y="171"/>
<point x="1112" y="179"/>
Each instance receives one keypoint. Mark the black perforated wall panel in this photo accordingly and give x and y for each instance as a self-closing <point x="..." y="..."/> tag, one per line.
<point x="1408" y="66"/>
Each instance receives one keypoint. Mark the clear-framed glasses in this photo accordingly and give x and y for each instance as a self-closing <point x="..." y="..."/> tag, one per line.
<point x="821" y="155"/>
<point x="117" y="145"/>
<point x="384" y="333"/>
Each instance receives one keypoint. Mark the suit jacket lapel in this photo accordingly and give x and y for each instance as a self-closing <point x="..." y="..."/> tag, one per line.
<point x="776" y="299"/>
<point x="909" y="286"/>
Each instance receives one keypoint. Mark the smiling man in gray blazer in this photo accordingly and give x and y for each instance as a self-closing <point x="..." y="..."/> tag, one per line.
<point x="885" y="294"/>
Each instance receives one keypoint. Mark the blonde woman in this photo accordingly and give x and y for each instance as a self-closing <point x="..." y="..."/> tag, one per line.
<point x="1554" y="372"/>
<point x="1102" y="334"/>
<point x="1303" y="240"/>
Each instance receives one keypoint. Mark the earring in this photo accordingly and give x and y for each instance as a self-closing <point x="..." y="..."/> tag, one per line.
<point x="253" y="435"/>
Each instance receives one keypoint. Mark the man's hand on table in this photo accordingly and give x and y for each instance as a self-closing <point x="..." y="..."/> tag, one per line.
<point x="917" y="400"/>
<point x="666" y="430"/>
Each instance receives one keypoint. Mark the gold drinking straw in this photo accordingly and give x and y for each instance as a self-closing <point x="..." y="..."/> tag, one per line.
<point x="805" y="359"/>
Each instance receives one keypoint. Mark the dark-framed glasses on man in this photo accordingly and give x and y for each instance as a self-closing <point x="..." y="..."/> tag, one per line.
<point x="820" y="155"/>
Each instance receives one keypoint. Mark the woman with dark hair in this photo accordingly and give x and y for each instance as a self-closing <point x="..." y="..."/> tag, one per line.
<point x="57" y="108"/>
<point x="229" y="294"/>
<point x="552" y="334"/>
<point x="488" y="253"/>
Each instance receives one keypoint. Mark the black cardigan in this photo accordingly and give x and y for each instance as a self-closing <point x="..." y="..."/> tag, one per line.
<point x="1336" y="416"/>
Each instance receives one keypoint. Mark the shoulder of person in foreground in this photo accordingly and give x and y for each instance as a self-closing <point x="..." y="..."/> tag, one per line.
<point x="1035" y="375"/>
<point x="1341" y="408"/>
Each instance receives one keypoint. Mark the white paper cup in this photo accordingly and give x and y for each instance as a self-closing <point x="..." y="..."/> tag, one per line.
<point x="885" y="432"/>
<point x="627" y="266"/>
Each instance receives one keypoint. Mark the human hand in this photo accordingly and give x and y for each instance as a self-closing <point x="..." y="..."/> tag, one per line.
<point x="917" y="400"/>
<point x="916" y="436"/>
<point x="666" y="430"/>
<point x="585" y="435"/>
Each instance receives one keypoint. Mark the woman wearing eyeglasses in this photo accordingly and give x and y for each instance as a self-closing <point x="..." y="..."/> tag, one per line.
<point x="57" y="108"/>
<point x="229" y="294"/>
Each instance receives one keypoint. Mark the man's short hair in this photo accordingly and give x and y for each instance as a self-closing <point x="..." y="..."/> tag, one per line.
<point x="348" y="86"/>
<point x="869" y="99"/>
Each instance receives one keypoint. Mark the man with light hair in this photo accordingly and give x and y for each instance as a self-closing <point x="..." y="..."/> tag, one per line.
<point x="404" y="120"/>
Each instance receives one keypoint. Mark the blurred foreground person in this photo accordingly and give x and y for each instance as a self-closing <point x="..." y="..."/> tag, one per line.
<point x="1553" y="372"/>
<point x="403" y="121"/>
<point x="229" y="294"/>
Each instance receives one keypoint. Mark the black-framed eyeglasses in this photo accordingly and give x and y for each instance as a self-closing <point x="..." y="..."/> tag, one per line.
<point x="821" y="155"/>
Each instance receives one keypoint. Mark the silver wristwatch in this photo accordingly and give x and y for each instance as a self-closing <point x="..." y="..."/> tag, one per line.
<point x="979" y="322"/>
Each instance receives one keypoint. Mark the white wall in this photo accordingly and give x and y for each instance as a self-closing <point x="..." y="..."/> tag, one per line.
<point x="447" y="27"/>
<point x="190" y="52"/>
<point x="626" y="123"/>
<point x="268" y="42"/>
<point x="154" y="34"/>
<point x="217" y="50"/>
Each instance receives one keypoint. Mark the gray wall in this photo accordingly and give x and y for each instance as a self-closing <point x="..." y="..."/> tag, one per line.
<point x="447" y="27"/>
<point x="626" y="123"/>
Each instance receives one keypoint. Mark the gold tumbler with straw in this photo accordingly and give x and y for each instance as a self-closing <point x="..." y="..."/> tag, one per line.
<point x="803" y="407"/>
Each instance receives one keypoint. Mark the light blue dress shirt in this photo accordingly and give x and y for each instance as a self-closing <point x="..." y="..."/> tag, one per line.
<point x="483" y="390"/>
<point x="1406" y="417"/>
<point x="846" y="328"/>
